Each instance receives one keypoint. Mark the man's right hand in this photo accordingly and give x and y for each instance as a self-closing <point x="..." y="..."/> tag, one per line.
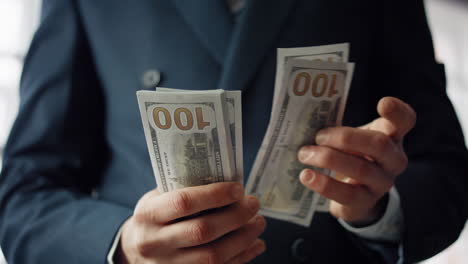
<point x="166" y="228"/>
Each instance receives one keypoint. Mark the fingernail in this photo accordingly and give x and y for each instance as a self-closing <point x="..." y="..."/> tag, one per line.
<point x="307" y="176"/>
<point x="237" y="192"/>
<point x="253" y="204"/>
<point x="305" y="153"/>
<point x="321" y="137"/>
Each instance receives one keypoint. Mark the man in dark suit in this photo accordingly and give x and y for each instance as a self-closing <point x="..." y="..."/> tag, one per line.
<point x="77" y="184"/>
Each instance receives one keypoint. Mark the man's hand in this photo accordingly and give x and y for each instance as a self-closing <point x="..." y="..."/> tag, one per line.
<point x="166" y="228"/>
<point x="367" y="161"/>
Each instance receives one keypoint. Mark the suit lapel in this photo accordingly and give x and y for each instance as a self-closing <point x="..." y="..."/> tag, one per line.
<point x="211" y="21"/>
<point x="258" y="27"/>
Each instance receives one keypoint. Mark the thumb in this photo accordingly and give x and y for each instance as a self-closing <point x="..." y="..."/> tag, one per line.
<point x="396" y="118"/>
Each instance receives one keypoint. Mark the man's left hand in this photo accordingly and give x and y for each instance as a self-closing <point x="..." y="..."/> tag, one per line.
<point x="366" y="159"/>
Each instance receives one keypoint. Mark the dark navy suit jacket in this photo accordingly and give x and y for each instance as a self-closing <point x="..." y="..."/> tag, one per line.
<point x="77" y="163"/>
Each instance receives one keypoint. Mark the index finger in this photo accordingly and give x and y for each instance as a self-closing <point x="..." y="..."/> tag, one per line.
<point x="184" y="202"/>
<point x="399" y="114"/>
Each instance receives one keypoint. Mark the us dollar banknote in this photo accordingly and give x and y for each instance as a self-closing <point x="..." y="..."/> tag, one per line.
<point x="330" y="53"/>
<point x="312" y="96"/>
<point x="233" y="119"/>
<point x="188" y="140"/>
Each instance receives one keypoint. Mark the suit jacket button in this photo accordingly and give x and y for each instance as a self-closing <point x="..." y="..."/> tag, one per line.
<point x="298" y="250"/>
<point x="151" y="78"/>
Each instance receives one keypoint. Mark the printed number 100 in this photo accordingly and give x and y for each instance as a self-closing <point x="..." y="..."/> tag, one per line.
<point x="176" y="118"/>
<point x="319" y="86"/>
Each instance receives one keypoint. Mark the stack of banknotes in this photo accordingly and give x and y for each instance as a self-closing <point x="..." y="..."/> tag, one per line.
<point x="195" y="137"/>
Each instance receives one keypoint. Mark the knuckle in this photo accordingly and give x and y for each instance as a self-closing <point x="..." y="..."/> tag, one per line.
<point x="143" y="248"/>
<point x="382" y="142"/>
<point x="142" y="212"/>
<point x="325" y="157"/>
<point x="143" y="215"/>
<point x="199" y="232"/>
<point x="214" y="190"/>
<point x="345" y="139"/>
<point x="147" y="207"/>
<point x="219" y="192"/>
<point x="363" y="169"/>
<point x="140" y="216"/>
<point x="181" y="202"/>
<point x="325" y="187"/>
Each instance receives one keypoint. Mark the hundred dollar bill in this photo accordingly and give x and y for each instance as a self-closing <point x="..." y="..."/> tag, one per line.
<point x="330" y="53"/>
<point x="233" y="105"/>
<point x="312" y="96"/>
<point x="187" y="138"/>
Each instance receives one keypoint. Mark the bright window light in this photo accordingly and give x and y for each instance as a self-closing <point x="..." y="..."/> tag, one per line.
<point x="11" y="17"/>
<point x="10" y="69"/>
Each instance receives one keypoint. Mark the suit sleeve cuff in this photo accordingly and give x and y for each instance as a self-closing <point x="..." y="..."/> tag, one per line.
<point x="389" y="228"/>
<point x="111" y="253"/>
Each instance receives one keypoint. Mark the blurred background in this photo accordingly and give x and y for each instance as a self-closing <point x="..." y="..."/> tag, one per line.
<point x="448" y="20"/>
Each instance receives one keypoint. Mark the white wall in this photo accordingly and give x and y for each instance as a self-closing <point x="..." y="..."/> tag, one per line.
<point x="18" y="20"/>
<point x="449" y="23"/>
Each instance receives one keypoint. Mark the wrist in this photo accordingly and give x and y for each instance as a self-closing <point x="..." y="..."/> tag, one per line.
<point x="374" y="215"/>
<point x="388" y="228"/>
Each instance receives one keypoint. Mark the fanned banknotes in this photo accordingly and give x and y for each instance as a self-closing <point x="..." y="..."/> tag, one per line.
<point x="312" y="95"/>
<point x="330" y="53"/>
